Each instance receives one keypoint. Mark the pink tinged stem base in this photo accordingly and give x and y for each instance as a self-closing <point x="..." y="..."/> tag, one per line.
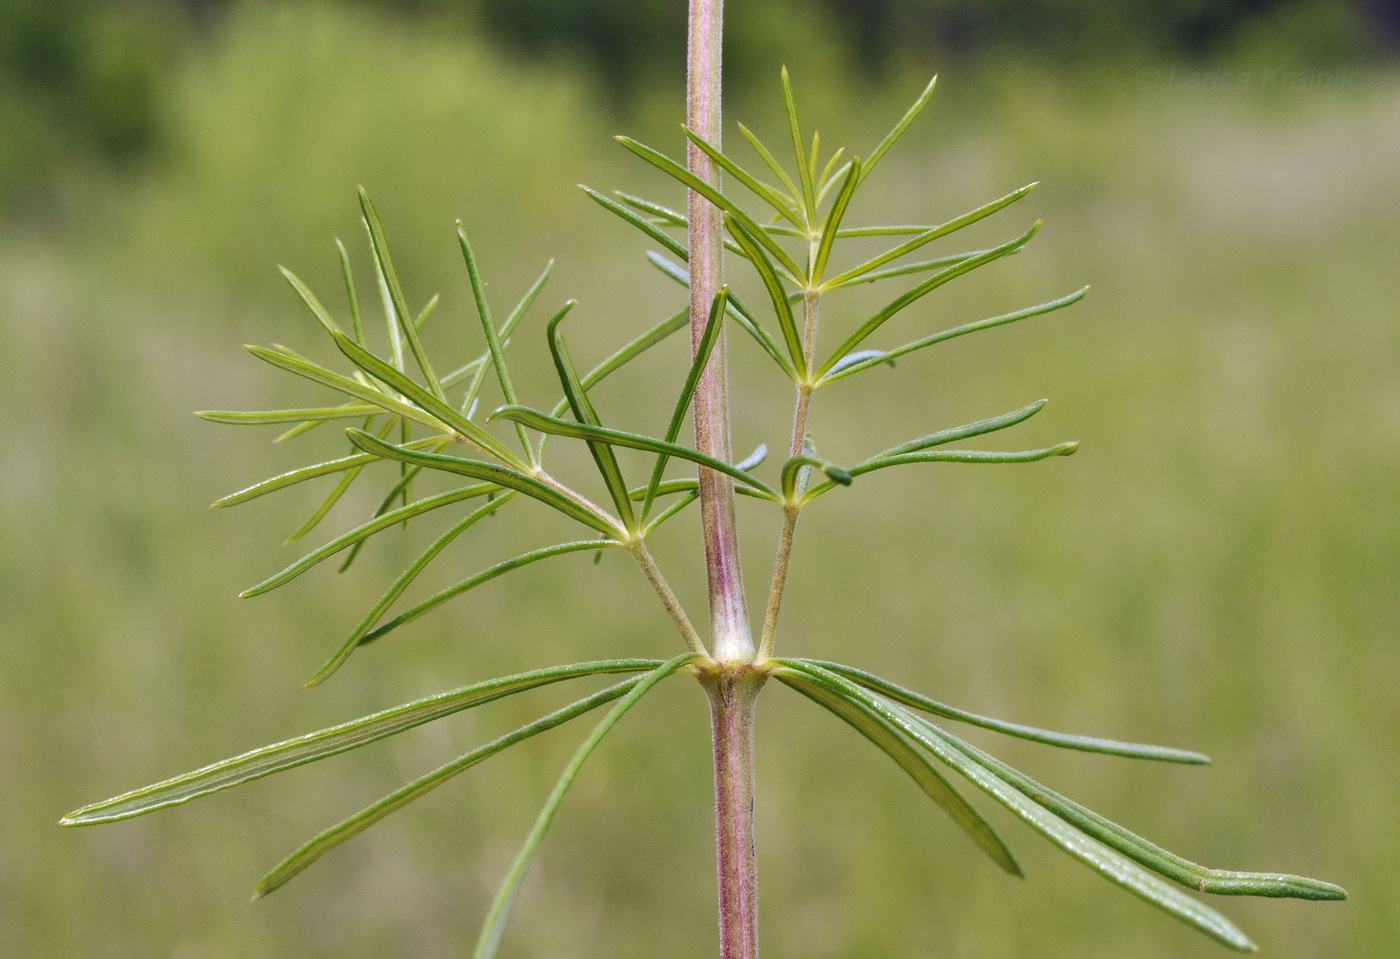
<point x="733" y="695"/>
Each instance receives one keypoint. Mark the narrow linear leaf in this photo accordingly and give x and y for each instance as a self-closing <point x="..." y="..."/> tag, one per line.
<point x="766" y="155"/>
<point x="358" y="823"/>
<point x="792" y="473"/>
<point x="335" y="739"/>
<point x="488" y="327"/>
<point x="285" y="360"/>
<point x="1092" y="744"/>
<point x="762" y="190"/>
<point x="490" y="473"/>
<point x="922" y="289"/>
<point x="396" y="492"/>
<point x="351" y="296"/>
<point x="376" y="525"/>
<point x="893" y="136"/>
<point x="979" y="428"/>
<point x="703" y="349"/>
<point x="380" y="246"/>
<point x="926" y="237"/>
<point x="650" y="229"/>
<point x="1110" y="864"/>
<point x="736" y="309"/>
<point x="804" y="169"/>
<point x="603" y="456"/>
<point x="264" y="417"/>
<point x="964" y="456"/>
<point x="841" y="369"/>
<point x="834" y="217"/>
<point x="429" y="401"/>
<point x="831" y="174"/>
<point x="549" y="424"/>
<point x="486" y="575"/>
<point x="880" y="732"/>
<point x="923" y="266"/>
<point x="400" y="584"/>
<point x="667" y="165"/>
<point x="500" y="908"/>
<point x="680" y="504"/>
<point x="777" y="294"/>
<point x="663" y="213"/>
<point x="1189" y="874"/>
<point x="305" y="473"/>
<point x="313" y="305"/>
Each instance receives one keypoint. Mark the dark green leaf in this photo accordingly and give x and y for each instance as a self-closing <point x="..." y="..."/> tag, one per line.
<point x="549" y="424"/>
<point x="491" y="473"/>
<point x="337" y="739"/>
<point x="486" y="575"/>
<point x="500" y="907"/>
<point x="876" y="357"/>
<point x="879" y="731"/>
<point x="396" y="800"/>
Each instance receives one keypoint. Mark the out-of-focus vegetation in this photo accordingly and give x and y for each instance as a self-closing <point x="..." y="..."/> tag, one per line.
<point x="1214" y="570"/>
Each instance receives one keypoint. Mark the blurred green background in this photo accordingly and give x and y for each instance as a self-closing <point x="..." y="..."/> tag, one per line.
<point x="1216" y="569"/>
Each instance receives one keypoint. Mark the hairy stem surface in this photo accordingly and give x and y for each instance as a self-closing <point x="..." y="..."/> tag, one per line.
<point x="729" y="617"/>
<point x="733" y="693"/>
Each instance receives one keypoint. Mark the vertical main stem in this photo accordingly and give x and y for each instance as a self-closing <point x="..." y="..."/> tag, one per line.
<point x="729" y="617"/>
<point x="732" y="684"/>
<point x="733" y="695"/>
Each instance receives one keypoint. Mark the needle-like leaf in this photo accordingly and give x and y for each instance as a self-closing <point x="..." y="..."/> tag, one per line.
<point x="1220" y="882"/>
<point x="488" y="327"/>
<point x="979" y="428"/>
<point x="667" y="165"/>
<point x="352" y="296"/>
<point x="264" y="417"/>
<point x="925" y="237"/>
<point x="490" y="473"/>
<point x="282" y="481"/>
<point x="486" y="575"/>
<point x="833" y="221"/>
<point x="602" y="434"/>
<point x="697" y="366"/>
<point x="777" y="293"/>
<point x="313" y="305"/>
<point x="577" y="395"/>
<point x="336" y="739"/>
<point x="286" y="360"/>
<point x="505" y="897"/>
<point x="792" y="473"/>
<point x="400" y="584"/>
<point x="1112" y="865"/>
<point x="875" y="358"/>
<point x="771" y="161"/>
<point x="376" y="525"/>
<point x="921" y="290"/>
<point x="736" y="308"/>
<point x="879" y="731"/>
<point x="650" y="229"/>
<point x="380" y="246"/>
<point x="765" y="192"/>
<point x="893" y="136"/>
<point x="804" y="169"/>
<point x="358" y="823"/>
<point x="429" y="401"/>
<point x="1092" y="744"/>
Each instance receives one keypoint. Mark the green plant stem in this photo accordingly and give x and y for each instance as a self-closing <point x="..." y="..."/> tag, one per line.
<point x="652" y="572"/>
<point x="733" y="692"/>
<point x="811" y="315"/>
<point x="729" y="617"/>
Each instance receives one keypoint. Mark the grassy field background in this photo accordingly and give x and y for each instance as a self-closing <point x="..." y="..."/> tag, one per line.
<point x="1216" y="568"/>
